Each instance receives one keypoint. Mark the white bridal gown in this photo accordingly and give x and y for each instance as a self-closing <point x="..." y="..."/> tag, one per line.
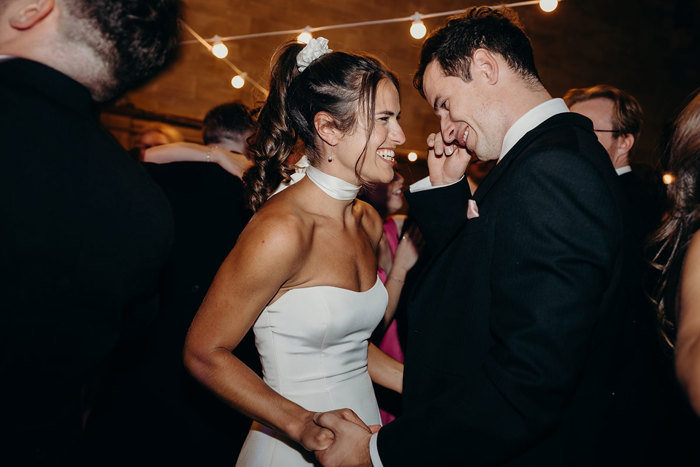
<point x="313" y="346"/>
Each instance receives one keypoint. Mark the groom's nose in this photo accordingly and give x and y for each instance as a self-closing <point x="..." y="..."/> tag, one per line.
<point x="448" y="130"/>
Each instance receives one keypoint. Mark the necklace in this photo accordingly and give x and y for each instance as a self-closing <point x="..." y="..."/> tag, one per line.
<point x="332" y="186"/>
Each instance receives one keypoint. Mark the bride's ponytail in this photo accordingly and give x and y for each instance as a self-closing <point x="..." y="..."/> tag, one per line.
<point x="275" y="137"/>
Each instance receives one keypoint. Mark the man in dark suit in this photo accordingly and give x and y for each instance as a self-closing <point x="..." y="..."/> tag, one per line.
<point x="179" y="420"/>
<point x="646" y="374"/>
<point x="85" y="232"/>
<point x="512" y="329"/>
<point x="617" y="122"/>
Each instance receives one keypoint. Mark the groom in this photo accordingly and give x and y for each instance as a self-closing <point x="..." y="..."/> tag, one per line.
<point x="513" y="327"/>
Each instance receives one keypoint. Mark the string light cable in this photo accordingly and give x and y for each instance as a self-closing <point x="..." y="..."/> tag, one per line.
<point x="241" y="76"/>
<point x="546" y="5"/>
<point x="216" y="45"/>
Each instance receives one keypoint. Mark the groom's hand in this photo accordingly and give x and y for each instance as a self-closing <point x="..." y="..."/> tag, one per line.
<point x="447" y="163"/>
<point x="351" y="444"/>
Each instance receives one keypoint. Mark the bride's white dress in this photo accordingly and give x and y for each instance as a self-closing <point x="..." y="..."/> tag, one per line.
<point x="313" y="346"/>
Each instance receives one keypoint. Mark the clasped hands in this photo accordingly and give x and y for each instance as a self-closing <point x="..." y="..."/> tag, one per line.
<point x="339" y="438"/>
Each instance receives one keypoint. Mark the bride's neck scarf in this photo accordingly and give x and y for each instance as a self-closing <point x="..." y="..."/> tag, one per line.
<point x="332" y="186"/>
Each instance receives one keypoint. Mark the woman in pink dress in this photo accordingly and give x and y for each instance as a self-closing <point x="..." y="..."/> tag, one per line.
<point x="396" y="256"/>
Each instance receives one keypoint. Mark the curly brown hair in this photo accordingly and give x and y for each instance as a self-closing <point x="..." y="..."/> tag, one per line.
<point x="683" y="162"/>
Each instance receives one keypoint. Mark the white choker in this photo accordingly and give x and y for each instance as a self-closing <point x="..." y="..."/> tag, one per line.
<point x="332" y="186"/>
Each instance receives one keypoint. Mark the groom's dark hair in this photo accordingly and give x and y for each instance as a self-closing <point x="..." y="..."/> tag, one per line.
<point x="496" y="30"/>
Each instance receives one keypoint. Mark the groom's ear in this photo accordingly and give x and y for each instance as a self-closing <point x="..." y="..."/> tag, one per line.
<point x="485" y="65"/>
<point x="327" y="130"/>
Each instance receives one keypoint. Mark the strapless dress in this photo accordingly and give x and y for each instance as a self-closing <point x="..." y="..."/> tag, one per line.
<point x="313" y="347"/>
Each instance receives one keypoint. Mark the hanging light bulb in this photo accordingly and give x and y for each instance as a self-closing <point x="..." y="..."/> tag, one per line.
<point x="305" y="35"/>
<point x="219" y="49"/>
<point x="238" y="81"/>
<point x="412" y="156"/>
<point x="418" y="29"/>
<point x="668" y="178"/>
<point x="548" y="5"/>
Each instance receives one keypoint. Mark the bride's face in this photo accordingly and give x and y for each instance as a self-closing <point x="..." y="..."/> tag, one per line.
<point x="385" y="136"/>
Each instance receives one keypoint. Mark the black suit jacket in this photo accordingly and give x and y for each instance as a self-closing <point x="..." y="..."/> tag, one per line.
<point x="85" y="234"/>
<point x="646" y="200"/>
<point x="514" y="324"/>
<point x="179" y="420"/>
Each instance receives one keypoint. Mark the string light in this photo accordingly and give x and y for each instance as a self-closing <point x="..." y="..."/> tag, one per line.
<point x="310" y="30"/>
<point x="668" y="178"/>
<point x="548" y="5"/>
<point x="418" y="29"/>
<point x="238" y="81"/>
<point x="219" y="49"/>
<point x="412" y="156"/>
<point x="206" y="44"/>
<point x="305" y="36"/>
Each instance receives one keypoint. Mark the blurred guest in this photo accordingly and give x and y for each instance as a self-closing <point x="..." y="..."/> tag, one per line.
<point x="156" y="134"/>
<point x="85" y="231"/>
<point x="617" y="122"/>
<point x="396" y="255"/>
<point x="678" y="292"/>
<point x="227" y="128"/>
<point x="180" y="421"/>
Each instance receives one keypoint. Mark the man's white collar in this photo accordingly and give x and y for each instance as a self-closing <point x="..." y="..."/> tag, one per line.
<point x="531" y="120"/>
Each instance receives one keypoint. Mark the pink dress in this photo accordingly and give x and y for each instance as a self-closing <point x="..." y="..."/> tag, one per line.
<point x="390" y="342"/>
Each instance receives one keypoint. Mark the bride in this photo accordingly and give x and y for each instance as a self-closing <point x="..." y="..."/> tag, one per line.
<point x="304" y="271"/>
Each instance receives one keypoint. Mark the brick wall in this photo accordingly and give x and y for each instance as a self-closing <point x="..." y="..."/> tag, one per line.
<point x="647" y="47"/>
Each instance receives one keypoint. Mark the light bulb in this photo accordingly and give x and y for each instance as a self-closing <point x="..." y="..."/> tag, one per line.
<point x="305" y="35"/>
<point x="412" y="156"/>
<point x="238" y="81"/>
<point x="418" y="29"/>
<point x="219" y="49"/>
<point x="548" y="5"/>
<point x="668" y="178"/>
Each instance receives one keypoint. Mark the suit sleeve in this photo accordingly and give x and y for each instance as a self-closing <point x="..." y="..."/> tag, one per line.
<point x="554" y="249"/>
<point x="439" y="212"/>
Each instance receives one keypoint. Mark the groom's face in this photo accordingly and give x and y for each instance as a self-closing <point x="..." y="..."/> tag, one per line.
<point x="466" y="118"/>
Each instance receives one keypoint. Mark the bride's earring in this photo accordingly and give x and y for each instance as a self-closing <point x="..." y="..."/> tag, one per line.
<point x="330" y="157"/>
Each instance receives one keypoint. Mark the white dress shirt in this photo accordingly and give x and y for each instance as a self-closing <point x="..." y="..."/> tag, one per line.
<point x="623" y="170"/>
<point x="531" y="120"/>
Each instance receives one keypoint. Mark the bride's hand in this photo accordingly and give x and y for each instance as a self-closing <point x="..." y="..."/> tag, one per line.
<point x="314" y="437"/>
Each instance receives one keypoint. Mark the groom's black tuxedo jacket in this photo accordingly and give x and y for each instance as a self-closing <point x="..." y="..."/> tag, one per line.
<point x="514" y="322"/>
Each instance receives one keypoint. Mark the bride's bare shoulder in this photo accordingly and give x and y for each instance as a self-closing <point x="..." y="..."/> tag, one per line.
<point x="370" y="219"/>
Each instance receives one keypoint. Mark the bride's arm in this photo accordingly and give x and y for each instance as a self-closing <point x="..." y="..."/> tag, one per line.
<point x="268" y="252"/>
<point x="384" y="370"/>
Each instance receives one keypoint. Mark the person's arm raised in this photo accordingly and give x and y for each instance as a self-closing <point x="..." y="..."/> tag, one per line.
<point x="233" y="162"/>
<point x="267" y="254"/>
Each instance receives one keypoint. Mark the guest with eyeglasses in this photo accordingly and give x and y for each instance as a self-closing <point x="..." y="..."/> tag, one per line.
<point x="642" y="371"/>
